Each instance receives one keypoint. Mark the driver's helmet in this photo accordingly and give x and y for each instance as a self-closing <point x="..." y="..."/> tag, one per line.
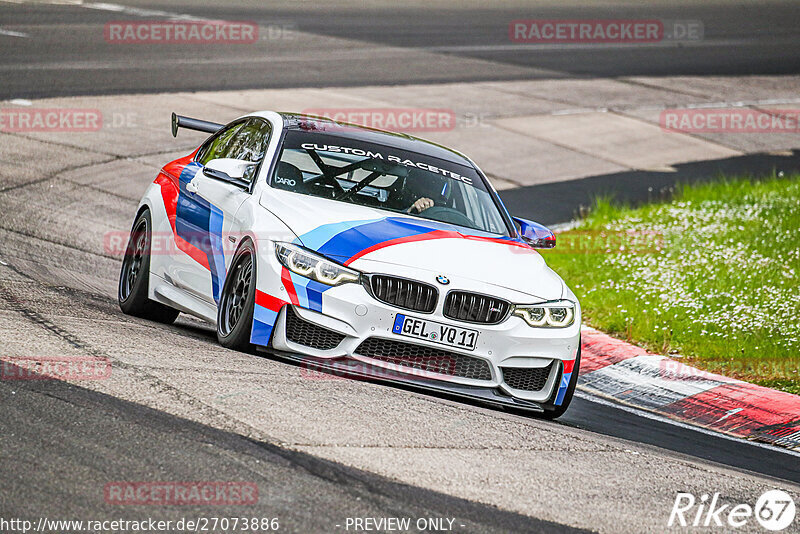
<point x="421" y="184"/>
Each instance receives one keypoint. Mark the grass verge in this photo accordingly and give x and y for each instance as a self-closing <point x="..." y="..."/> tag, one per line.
<point x="711" y="277"/>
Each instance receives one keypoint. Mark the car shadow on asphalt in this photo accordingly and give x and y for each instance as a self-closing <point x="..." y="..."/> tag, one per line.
<point x="561" y="202"/>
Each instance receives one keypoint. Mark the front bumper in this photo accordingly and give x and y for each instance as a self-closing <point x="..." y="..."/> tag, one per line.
<point x="355" y="369"/>
<point x="356" y="316"/>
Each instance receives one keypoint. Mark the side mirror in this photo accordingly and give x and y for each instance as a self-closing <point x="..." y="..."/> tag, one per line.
<point x="235" y="171"/>
<point x="535" y="234"/>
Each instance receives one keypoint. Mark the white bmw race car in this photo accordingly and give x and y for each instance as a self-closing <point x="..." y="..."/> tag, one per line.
<point x="358" y="251"/>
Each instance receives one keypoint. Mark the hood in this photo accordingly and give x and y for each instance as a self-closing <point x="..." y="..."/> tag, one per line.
<point x="377" y="241"/>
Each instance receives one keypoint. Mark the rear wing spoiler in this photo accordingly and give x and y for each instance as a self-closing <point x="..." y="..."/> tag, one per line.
<point x="179" y="121"/>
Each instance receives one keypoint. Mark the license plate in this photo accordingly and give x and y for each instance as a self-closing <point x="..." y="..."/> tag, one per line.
<point x="453" y="336"/>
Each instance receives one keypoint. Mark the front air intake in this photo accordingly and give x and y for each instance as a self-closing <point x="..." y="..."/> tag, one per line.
<point x="429" y="359"/>
<point x="308" y="334"/>
<point x="526" y="378"/>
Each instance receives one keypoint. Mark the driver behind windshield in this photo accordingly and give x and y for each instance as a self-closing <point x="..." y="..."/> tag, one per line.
<point x="424" y="190"/>
<point x="388" y="178"/>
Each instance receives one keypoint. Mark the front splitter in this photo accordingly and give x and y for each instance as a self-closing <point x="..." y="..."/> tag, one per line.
<point x="355" y="369"/>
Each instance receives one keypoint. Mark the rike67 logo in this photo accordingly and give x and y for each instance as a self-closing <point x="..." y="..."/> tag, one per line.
<point x="774" y="510"/>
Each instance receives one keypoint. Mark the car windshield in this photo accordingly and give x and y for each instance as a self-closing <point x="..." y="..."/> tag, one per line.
<point x="388" y="178"/>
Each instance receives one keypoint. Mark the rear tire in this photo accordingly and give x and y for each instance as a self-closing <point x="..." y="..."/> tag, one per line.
<point x="236" y="305"/>
<point x="559" y="410"/>
<point x="134" y="277"/>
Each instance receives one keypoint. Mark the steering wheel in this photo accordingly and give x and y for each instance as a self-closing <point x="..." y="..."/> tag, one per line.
<point x="446" y="214"/>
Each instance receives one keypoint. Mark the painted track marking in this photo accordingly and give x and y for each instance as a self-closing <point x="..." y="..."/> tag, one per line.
<point x="654" y="417"/>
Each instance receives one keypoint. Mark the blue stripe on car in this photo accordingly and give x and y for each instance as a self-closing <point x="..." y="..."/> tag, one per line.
<point x="342" y="241"/>
<point x="562" y="388"/>
<point x="309" y="292"/>
<point x="199" y="222"/>
<point x="263" y="322"/>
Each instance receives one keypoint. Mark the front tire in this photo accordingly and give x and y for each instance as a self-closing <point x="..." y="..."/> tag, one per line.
<point x="132" y="293"/>
<point x="235" y="310"/>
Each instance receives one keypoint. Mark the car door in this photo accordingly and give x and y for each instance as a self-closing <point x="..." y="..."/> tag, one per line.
<point x="207" y="206"/>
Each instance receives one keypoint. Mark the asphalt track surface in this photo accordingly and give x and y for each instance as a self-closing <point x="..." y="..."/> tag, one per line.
<point x="305" y="493"/>
<point x="60" y="442"/>
<point x="346" y="43"/>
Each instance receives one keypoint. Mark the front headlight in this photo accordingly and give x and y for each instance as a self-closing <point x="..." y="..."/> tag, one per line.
<point x="306" y="263"/>
<point x="558" y="314"/>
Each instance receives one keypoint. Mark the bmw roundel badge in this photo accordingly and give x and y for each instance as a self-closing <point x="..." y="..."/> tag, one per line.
<point x="442" y="279"/>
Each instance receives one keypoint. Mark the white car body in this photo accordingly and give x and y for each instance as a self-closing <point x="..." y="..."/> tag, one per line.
<point x="190" y="279"/>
